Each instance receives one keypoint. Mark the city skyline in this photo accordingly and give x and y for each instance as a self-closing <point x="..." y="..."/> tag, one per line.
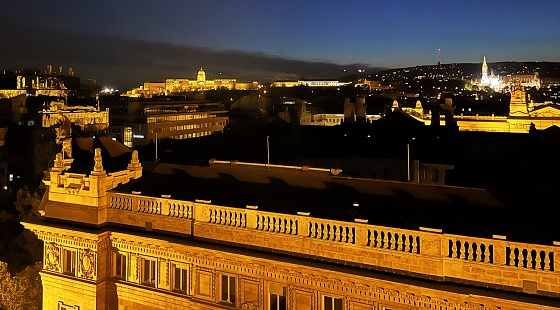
<point x="125" y="43"/>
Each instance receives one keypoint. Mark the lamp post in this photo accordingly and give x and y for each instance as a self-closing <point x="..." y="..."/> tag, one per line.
<point x="267" y="153"/>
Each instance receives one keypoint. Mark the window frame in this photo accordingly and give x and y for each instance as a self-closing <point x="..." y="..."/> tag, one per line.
<point x="231" y="291"/>
<point x="333" y="302"/>
<point x="73" y="261"/>
<point x="185" y="281"/>
<point x="153" y="272"/>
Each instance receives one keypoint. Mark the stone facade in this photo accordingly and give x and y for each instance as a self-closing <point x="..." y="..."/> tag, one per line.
<point x="130" y="251"/>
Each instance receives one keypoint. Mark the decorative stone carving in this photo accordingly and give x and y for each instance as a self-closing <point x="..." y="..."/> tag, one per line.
<point x="87" y="264"/>
<point x="249" y="306"/>
<point x="97" y="159"/>
<point x="134" y="162"/>
<point x="58" y="161"/>
<point x="52" y="257"/>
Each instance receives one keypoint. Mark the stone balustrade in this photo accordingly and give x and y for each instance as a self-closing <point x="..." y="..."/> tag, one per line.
<point x="393" y="239"/>
<point x="428" y="252"/>
<point x="470" y="249"/>
<point x="530" y="256"/>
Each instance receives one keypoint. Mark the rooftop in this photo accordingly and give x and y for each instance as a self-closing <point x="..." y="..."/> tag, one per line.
<point x="289" y="190"/>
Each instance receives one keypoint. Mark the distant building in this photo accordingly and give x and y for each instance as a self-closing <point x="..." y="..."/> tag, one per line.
<point x="136" y="122"/>
<point x="498" y="83"/>
<point x="309" y="83"/>
<point x="174" y="86"/>
<point x="522" y="115"/>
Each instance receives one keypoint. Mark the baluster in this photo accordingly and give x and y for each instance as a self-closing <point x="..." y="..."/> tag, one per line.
<point x="340" y="233"/>
<point x="403" y="245"/>
<point x="450" y="252"/>
<point x="295" y="227"/>
<point x="352" y="235"/>
<point x="547" y="262"/>
<point x="375" y="235"/>
<point x="258" y="222"/>
<point x="468" y="251"/>
<point x="414" y="245"/>
<point x="534" y="259"/>
<point x="524" y="253"/>
<point x="539" y="260"/>
<point x="310" y="229"/>
<point x="484" y="253"/>
<point x="512" y="257"/>
<point x="382" y="239"/>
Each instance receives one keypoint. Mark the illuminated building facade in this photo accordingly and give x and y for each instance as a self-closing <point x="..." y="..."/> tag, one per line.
<point x="238" y="235"/>
<point x="142" y="122"/>
<point x="523" y="115"/>
<point x="172" y="86"/>
<point x="491" y="81"/>
<point x="309" y="83"/>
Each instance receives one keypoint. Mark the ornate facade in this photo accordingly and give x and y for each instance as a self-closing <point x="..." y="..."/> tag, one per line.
<point x="111" y="248"/>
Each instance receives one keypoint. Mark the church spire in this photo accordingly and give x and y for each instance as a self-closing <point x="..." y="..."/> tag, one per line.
<point x="484" y="69"/>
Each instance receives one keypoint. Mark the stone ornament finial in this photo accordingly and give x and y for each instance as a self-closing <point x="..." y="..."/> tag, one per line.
<point x="58" y="162"/>
<point x="97" y="158"/>
<point x="134" y="162"/>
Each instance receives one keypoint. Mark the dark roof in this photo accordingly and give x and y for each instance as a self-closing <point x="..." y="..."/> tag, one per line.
<point x="456" y="210"/>
<point x="116" y="156"/>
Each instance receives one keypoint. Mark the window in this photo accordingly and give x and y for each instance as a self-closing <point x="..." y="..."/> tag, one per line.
<point x="386" y="173"/>
<point x="278" y="302"/>
<point x="119" y="265"/>
<point x="331" y="303"/>
<point x="148" y="272"/>
<point x="228" y="289"/>
<point x="180" y="277"/>
<point x="435" y="175"/>
<point x="69" y="261"/>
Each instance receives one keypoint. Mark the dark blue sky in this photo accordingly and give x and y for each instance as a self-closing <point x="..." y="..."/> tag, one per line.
<point x="371" y="33"/>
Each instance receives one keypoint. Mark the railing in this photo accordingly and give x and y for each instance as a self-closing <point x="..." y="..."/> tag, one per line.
<point x="228" y="217"/>
<point x="393" y="239"/>
<point x="150" y="205"/>
<point x="331" y="231"/>
<point x="276" y="223"/>
<point x="473" y="249"/>
<point x="355" y="241"/>
<point x="529" y="256"/>
<point x="120" y="202"/>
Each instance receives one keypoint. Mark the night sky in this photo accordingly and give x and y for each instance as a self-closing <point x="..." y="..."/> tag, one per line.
<point x="123" y="43"/>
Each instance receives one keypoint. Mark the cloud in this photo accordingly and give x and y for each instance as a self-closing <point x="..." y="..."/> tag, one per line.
<point x="126" y="63"/>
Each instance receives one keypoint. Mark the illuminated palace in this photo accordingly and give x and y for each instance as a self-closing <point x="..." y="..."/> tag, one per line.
<point x="171" y="86"/>
<point x="247" y="236"/>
